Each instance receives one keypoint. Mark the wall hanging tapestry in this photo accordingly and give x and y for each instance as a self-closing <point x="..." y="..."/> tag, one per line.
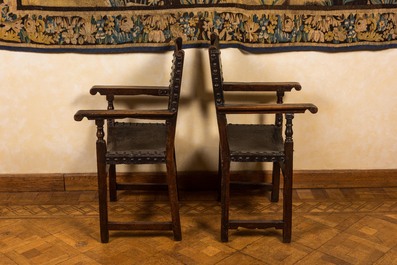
<point x="99" y="26"/>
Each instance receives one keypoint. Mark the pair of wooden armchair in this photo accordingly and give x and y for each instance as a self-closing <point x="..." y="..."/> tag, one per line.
<point x="153" y="143"/>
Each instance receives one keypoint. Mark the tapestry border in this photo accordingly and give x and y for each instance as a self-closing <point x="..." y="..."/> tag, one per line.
<point x="258" y="31"/>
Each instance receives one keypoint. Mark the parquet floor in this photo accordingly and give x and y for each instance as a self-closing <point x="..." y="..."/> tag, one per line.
<point x="330" y="226"/>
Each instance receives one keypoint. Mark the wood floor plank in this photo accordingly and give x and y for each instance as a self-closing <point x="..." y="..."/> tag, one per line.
<point x="330" y="226"/>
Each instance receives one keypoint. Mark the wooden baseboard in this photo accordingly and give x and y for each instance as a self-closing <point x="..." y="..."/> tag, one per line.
<point x="31" y="182"/>
<point x="201" y="180"/>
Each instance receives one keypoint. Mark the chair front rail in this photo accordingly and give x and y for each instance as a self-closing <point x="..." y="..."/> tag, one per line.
<point x="122" y="114"/>
<point x="265" y="108"/>
<point x="261" y="86"/>
<point x="131" y="90"/>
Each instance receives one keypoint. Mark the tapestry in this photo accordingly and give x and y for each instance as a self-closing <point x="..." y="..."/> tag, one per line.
<point x="109" y="26"/>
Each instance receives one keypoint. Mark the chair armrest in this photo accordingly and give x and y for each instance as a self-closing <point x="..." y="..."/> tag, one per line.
<point x="122" y="114"/>
<point x="130" y="90"/>
<point x="261" y="86"/>
<point x="266" y="108"/>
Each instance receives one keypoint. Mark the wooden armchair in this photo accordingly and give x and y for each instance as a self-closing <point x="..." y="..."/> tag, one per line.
<point x="137" y="143"/>
<point x="241" y="143"/>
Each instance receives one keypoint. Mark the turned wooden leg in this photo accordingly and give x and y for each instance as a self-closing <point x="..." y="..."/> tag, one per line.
<point x="219" y="182"/>
<point x="173" y="197"/>
<point x="287" y="207"/>
<point x="275" y="182"/>
<point x="112" y="183"/>
<point x="288" y="179"/>
<point x="225" y="200"/>
<point x="102" y="185"/>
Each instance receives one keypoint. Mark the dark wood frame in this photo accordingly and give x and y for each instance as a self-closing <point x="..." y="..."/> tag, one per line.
<point x="169" y="116"/>
<point x="281" y="159"/>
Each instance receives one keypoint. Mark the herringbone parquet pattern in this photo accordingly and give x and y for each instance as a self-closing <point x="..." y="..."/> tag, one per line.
<point x="330" y="226"/>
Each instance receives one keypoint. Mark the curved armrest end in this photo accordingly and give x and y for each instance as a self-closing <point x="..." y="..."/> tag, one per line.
<point x="313" y="109"/>
<point x="93" y="91"/>
<point x="297" y="86"/>
<point x="78" y="116"/>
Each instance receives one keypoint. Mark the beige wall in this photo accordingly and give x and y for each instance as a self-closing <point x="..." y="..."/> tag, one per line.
<point x="356" y="93"/>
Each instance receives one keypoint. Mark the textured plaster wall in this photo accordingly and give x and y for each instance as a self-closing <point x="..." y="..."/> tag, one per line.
<point x="356" y="93"/>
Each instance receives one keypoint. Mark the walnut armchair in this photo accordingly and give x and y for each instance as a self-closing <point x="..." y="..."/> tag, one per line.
<point x="130" y="142"/>
<point x="241" y="143"/>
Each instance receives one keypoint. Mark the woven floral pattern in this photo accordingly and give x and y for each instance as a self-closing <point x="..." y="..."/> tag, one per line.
<point x="237" y="25"/>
